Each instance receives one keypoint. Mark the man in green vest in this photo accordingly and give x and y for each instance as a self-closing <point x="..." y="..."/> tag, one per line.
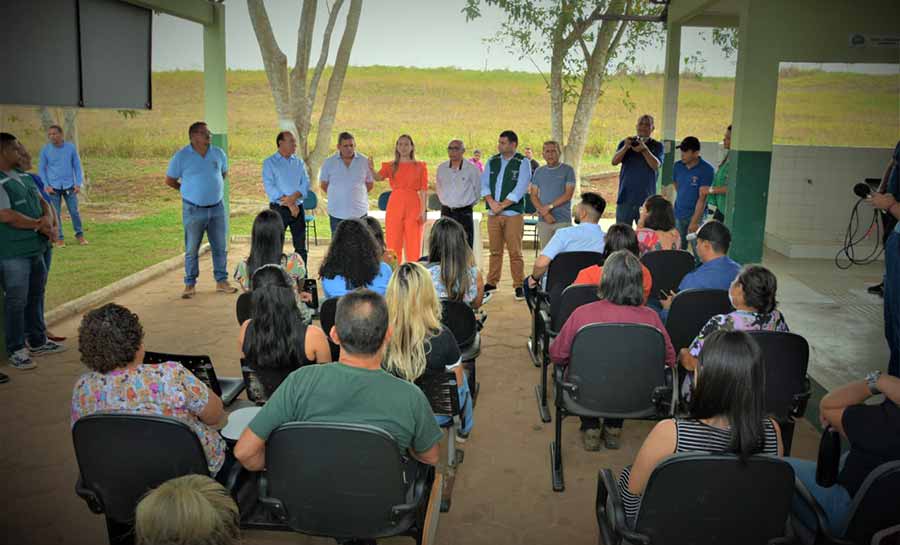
<point x="504" y="184"/>
<point x="26" y="228"/>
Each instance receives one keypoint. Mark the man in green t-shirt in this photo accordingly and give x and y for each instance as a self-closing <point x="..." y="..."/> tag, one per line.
<point x="354" y="390"/>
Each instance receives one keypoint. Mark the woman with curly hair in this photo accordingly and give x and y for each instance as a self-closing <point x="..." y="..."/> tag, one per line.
<point x="111" y="342"/>
<point x="353" y="261"/>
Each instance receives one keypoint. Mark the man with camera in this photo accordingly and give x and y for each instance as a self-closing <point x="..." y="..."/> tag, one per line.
<point x="640" y="157"/>
<point x="891" y="207"/>
<point x="890" y="183"/>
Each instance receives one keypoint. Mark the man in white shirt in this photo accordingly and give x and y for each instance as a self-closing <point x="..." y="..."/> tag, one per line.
<point x="346" y="179"/>
<point x="458" y="185"/>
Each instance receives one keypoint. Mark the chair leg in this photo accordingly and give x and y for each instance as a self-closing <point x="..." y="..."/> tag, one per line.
<point x="556" y="465"/>
<point x="315" y="234"/>
<point x="787" y="434"/>
<point x="451" y="446"/>
<point x="540" y="392"/>
<point x="535" y="343"/>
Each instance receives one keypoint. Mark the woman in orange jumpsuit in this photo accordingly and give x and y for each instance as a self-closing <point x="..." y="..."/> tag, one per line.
<point x="406" y="208"/>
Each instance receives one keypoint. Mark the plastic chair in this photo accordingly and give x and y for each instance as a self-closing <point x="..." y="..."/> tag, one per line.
<point x="531" y="220"/>
<point x="383" y="200"/>
<point x="353" y="482"/>
<point x="326" y="320"/>
<point x="460" y="319"/>
<point x="243" y="307"/>
<point x="615" y="371"/>
<point x="729" y="502"/>
<point x="227" y="388"/>
<point x="434" y="202"/>
<point x="668" y="268"/>
<point x="690" y="311"/>
<point x="309" y="204"/>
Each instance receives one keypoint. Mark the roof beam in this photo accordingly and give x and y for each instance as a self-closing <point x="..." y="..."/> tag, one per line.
<point x="712" y="20"/>
<point x="681" y="10"/>
<point x="198" y="11"/>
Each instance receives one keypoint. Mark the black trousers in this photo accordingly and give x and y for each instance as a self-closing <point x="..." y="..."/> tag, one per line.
<point x="464" y="217"/>
<point x="296" y="225"/>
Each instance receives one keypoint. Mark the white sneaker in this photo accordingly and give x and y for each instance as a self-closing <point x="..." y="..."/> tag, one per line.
<point x="49" y="347"/>
<point x="20" y="360"/>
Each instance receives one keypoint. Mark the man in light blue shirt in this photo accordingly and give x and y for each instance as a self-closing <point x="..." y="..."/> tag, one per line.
<point x="504" y="183"/>
<point x="287" y="184"/>
<point x="60" y="169"/>
<point x="201" y="168"/>
<point x="346" y="179"/>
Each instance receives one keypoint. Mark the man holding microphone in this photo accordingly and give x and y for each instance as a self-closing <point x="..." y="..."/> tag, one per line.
<point x="287" y="183"/>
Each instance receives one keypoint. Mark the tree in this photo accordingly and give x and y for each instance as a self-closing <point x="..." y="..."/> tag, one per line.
<point x="580" y="39"/>
<point x="295" y="92"/>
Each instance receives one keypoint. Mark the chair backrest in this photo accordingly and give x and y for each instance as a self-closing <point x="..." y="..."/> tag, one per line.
<point x="786" y="357"/>
<point x="326" y="320"/>
<point x="383" y="200"/>
<point x="573" y="297"/>
<point x="434" y="203"/>
<point x="243" y="308"/>
<point x="875" y="505"/>
<point x="615" y="369"/>
<point x="690" y="311"/>
<point x="729" y="501"/>
<point x="441" y="390"/>
<point x="460" y="320"/>
<point x="562" y="272"/>
<point x="311" y="201"/>
<point x="350" y="479"/>
<point x="667" y="267"/>
<point x="200" y="366"/>
<point x="122" y="456"/>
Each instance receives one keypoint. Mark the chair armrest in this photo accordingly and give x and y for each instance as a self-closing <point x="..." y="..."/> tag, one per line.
<point x="421" y="491"/>
<point x="273" y="505"/>
<point x="88" y="495"/>
<point x="801" y="400"/>
<point x="608" y="492"/>
<point x="822" y="531"/>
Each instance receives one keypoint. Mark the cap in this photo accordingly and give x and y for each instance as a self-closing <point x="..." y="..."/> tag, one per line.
<point x="689" y="143"/>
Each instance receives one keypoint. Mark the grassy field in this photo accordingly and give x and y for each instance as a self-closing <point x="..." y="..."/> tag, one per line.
<point x="133" y="220"/>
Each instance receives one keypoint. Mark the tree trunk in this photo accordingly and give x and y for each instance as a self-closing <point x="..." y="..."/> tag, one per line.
<point x="70" y="116"/>
<point x="557" y="97"/>
<point x="275" y="62"/>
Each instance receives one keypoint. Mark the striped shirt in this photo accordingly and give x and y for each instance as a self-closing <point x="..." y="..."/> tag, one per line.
<point x="694" y="436"/>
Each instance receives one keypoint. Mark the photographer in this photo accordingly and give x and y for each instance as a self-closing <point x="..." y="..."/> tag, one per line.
<point x="887" y="202"/>
<point x="890" y="183"/>
<point x="641" y="158"/>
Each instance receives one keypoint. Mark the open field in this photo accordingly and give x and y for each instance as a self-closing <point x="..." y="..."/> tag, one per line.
<point x="133" y="220"/>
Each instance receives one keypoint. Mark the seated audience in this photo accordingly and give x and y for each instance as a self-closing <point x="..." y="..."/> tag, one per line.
<point x="621" y="302"/>
<point x="656" y="226"/>
<point x="585" y="236"/>
<point x="187" y="510"/>
<point x="354" y="260"/>
<point x="275" y="341"/>
<point x="726" y="416"/>
<point x="111" y="342"/>
<point x="387" y="255"/>
<point x="452" y="264"/>
<point x="873" y="432"/>
<point x="354" y="390"/>
<point x="267" y="247"/>
<point x="619" y="237"/>
<point x="419" y="341"/>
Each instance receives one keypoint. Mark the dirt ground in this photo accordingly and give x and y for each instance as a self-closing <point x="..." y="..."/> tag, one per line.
<point x="502" y="495"/>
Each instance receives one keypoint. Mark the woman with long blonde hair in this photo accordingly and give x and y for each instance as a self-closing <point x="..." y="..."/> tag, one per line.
<point x="406" y="209"/>
<point x="419" y="341"/>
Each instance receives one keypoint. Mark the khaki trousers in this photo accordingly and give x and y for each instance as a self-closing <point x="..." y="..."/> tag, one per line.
<point x="547" y="230"/>
<point x="506" y="230"/>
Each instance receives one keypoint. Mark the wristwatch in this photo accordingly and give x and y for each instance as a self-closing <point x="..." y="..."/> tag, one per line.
<point x="872" y="382"/>
<point x="550" y="206"/>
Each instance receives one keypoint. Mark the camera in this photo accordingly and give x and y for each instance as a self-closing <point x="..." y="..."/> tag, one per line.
<point x="864" y="189"/>
<point x="635" y="140"/>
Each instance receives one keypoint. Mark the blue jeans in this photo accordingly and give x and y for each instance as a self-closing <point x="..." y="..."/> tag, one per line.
<point x="628" y="213"/>
<point x="71" y="199"/>
<point x="892" y="301"/>
<point x="214" y="223"/>
<point x="48" y="258"/>
<point x="835" y="501"/>
<point x="465" y="403"/>
<point x="333" y="222"/>
<point x="23" y="280"/>
<point x="682" y="226"/>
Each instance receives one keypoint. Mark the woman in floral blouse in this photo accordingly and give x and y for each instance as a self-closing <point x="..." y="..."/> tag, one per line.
<point x="110" y="340"/>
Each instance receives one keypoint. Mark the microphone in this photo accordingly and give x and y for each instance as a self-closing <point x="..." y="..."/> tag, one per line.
<point x="862" y="190"/>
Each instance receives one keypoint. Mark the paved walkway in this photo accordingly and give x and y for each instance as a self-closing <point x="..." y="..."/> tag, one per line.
<point x="502" y="495"/>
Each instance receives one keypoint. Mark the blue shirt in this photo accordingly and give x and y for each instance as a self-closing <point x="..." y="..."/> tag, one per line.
<point x="202" y="177"/>
<point x="893" y="186"/>
<point x="60" y="166"/>
<point x="584" y="237"/>
<point x="284" y="176"/>
<point x="689" y="181"/>
<point x="518" y="191"/>
<point x="637" y="180"/>
<point x="337" y="286"/>
<point x="347" y="191"/>
<point x="716" y="274"/>
<point x="40" y="185"/>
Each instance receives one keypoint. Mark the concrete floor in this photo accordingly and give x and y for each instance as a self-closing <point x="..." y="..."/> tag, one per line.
<point x="502" y="494"/>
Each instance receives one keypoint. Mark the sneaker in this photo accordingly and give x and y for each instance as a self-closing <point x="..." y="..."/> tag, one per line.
<point x="55" y="338"/>
<point x="4" y="378"/>
<point x="592" y="439"/>
<point x="189" y="292"/>
<point x="520" y="294"/>
<point x="20" y="360"/>
<point x="60" y="243"/>
<point x="486" y="297"/>
<point x="876" y="290"/>
<point x="225" y="287"/>
<point x="611" y="437"/>
<point x="81" y="241"/>
<point x="489" y="288"/>
<point x="49" y="347"/>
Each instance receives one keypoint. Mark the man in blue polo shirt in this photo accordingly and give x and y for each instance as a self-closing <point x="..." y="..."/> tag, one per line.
<point x="287" y="183"/>
<point x="690" y="174"/>
<point x="202" y="168"/>
<point x="640" y="158"/>
<point x="60" y="169"/>
<point x="346" y="179"/>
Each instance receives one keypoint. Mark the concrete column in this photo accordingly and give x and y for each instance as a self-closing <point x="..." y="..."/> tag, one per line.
<point x="670" y="102"/>
<point x="755" y="90"/>
<point x="214" y="89"/>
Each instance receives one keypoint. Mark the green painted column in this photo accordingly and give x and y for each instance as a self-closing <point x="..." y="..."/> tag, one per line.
<point x="3" y="356"/>
<point x="755" y="91"/>
<point x="214" y="89"/>
<point x="670" y="102"/>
